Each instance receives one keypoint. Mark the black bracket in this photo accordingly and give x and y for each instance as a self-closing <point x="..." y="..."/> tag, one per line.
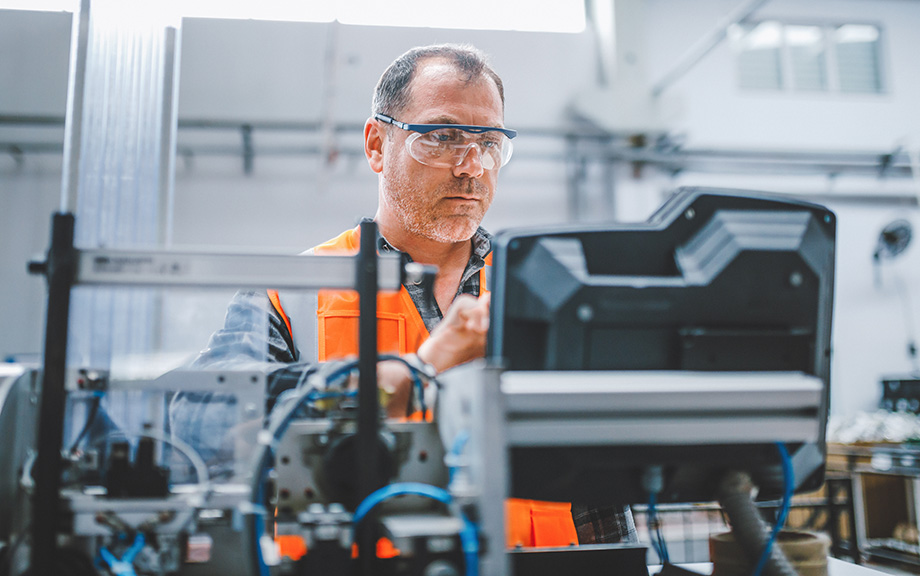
<point x="248" y="151"/>
<point x="368" y="401"/>
<point x="60" y="269"/>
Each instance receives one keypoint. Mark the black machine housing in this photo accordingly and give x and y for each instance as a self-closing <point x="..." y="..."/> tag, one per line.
<point x="716" y="280"/>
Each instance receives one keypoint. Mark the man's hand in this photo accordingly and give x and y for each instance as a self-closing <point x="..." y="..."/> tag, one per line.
<point x="395" y="382"/>
<point x="461" y="335"/>
<point x="459" y="338"/>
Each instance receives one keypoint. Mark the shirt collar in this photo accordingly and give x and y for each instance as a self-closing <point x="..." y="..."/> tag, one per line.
<point x="482" y="243"/>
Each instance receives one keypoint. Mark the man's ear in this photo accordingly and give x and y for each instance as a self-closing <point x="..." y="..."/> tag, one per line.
<point x="374" y="136"/>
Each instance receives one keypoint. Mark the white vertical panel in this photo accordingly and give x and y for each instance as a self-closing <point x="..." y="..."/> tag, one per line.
<point x="117" y="173"/>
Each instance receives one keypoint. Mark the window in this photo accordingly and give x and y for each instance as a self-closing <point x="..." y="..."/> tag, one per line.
<point x="858" y="58"/>
<point x="808" y="58"/>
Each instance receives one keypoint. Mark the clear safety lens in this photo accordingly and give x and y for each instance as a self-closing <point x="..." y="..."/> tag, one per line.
<point x="448" y="147"/>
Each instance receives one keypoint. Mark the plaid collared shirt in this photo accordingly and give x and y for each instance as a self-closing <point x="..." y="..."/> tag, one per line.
<point x="604" y="524"/>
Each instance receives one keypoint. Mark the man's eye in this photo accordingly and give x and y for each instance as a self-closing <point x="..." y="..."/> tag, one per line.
<point x="446" y="136"/>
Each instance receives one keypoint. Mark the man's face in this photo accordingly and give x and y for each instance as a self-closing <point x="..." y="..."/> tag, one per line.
<point x="441" y="204"/>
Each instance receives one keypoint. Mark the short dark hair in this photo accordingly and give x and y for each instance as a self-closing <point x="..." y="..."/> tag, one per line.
<point x="393" y="89"/>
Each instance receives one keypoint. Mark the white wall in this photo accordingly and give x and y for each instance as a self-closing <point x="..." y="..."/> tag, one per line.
<point x="716" y="113"/>
<point x="870" y="336"/>
<point x="258" y="71"/>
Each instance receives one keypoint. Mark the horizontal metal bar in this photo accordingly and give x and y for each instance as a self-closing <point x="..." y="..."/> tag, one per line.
<point x="16" y="149"/>
<point x="906" y="200"/>
<point x="263" y="150"/>
<point x="664" y="431"/>
<point x="149" y="268"/>
<point x="657" y="393"/>
<point x="585" y="144"/>
<point x="622" y="408"/>
<point x="85" y="510"/>
<point x="259" y="151"/>
<point x="708" y="161"/>
<point x="282" y="126"/>
<point x="237" y="382"/>
<point x="31" y="119"/>
<point x="764" y="160"/>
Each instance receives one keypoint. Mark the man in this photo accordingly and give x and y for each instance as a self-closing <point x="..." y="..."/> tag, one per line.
<point x="436" y="139"/>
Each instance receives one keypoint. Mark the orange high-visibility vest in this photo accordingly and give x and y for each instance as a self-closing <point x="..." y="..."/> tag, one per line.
<point x="401" y="330"/>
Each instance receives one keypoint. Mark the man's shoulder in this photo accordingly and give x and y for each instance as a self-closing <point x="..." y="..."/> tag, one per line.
<point x="347" y="241"/>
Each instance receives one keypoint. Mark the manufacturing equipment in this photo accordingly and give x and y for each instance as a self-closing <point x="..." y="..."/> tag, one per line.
<point x="626" y="364"/>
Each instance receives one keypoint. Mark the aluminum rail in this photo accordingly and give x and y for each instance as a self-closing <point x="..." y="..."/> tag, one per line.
<point x="169" y="268"/>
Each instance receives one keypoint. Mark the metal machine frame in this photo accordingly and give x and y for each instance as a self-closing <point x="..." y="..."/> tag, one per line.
<point x="503" y="411"/>
<point x="66" y="266"/>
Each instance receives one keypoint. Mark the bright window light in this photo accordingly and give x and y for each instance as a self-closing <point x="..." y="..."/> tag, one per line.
<point x="856" y="33"/>
<point x="523" y="15"/>
<point x="557" y="16"/>
<point x="817" y="58"/>
<point x="283" y="10"/>
<point x="765" y="35"/>
<point x="804" y="35"/>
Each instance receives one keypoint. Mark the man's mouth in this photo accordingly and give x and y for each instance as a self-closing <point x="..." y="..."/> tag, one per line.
<point x="467" y="191"/>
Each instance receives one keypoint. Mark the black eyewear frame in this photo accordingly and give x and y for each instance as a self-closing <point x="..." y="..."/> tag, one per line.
<point x="426" y="128"/>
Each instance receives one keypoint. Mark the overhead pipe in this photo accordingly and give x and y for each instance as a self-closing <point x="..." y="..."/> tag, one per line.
<point x="706" y="44"/>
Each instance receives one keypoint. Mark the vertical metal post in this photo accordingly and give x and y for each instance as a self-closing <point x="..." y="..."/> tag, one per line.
<point x="368" y="403"/>
<point x="60" y="270"/>
<point x="489" y="464"/>
<point x="610" y="199"/>
<point x="73" y="125"/>
<point x="576" y="178"/>
<point x="168" y="129"/>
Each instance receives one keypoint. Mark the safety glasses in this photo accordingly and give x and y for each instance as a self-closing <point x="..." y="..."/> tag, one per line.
<point x="447" y="145"/>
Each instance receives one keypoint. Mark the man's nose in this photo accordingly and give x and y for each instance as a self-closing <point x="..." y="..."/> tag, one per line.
<point x="470" y="164"/>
